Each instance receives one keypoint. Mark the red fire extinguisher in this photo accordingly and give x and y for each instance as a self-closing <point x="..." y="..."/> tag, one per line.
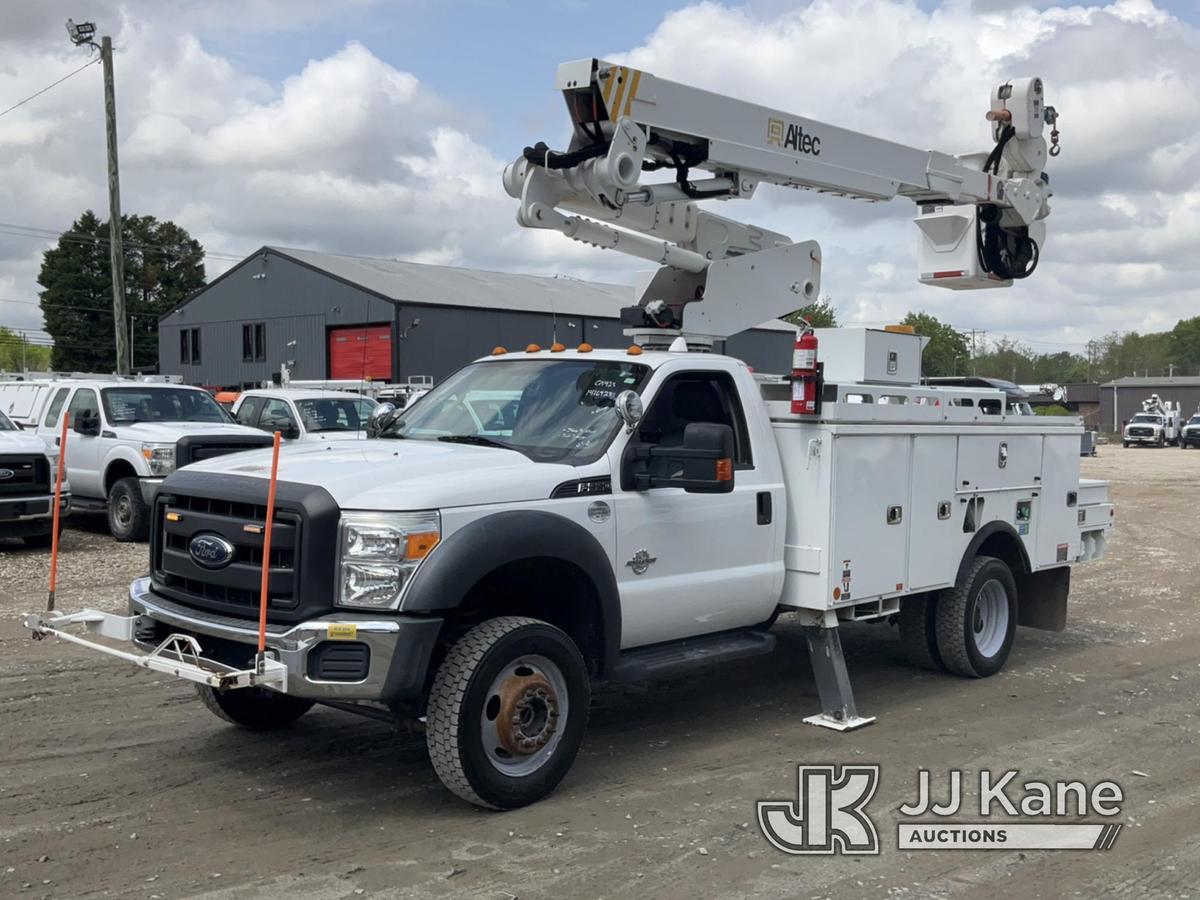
<point x="804" y="374"/>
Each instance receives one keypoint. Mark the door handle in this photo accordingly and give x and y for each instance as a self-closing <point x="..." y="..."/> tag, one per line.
<point x="764" y="507"/>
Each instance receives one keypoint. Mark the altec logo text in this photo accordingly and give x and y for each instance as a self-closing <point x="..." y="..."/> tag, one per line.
<point x="792" y="136"/>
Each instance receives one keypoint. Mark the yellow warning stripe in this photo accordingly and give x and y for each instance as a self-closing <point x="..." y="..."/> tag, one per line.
<point x="622" y="85"/>
<point x="633" y="89"/>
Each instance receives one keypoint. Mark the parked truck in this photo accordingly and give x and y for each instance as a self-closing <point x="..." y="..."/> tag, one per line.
<point x="551" y="517"/>
<point x="27" y="472"/>
<point x="126" y="436"/>
<point x="1159" y="423"/>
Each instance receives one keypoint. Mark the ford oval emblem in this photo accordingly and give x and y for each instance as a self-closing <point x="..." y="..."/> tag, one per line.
<point x="6" y="474"/>
<point x="211" y="551"/>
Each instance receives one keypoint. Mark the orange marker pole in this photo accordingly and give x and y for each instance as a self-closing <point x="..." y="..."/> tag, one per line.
<point x="58" y="481"/>
<point x="266" y="556"/>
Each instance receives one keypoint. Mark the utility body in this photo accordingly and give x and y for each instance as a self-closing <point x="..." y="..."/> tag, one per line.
<point x="1159" y="423"/>
<point x="548" y="518"/>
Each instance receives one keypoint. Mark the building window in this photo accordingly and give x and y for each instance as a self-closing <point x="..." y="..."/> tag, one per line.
<point x="195" y="346"/>
<point x="254" y="342"/>
<point x="185" y="353"/>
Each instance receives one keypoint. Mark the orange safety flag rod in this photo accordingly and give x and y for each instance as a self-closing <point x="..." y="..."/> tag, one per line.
<point x="58" y="482"/>
<point x="266" y="553"/>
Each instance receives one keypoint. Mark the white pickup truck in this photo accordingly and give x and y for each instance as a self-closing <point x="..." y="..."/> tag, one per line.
<point x="302" y="414"/>
<point x="481" y="575"/>
<point x="27" y="473"/>
<point x="127" y="436"/>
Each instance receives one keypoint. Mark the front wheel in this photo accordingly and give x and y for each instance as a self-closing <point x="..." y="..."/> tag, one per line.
<point x="256" y="709"/>
<point x="507" y="712"/>
<point x="1126" y="443"/>
<point x="977" y="619"/>
<point x="128" y="514"/>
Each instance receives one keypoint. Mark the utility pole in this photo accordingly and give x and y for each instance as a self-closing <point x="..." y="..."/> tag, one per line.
<point x="82" y="34"/>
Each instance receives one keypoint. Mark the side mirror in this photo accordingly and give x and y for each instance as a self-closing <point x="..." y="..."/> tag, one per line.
<point x="703" y="465"/>
<point x="87" y="424"/>
<point x="629" y="407"/>
<point x="382" y="418"/>
<point x="286" y="427"/>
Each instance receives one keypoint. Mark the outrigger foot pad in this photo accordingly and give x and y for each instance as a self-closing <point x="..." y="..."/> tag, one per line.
<point x="833" y="681"/>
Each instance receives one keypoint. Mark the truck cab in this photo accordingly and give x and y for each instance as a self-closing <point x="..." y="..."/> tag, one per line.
<point x="27" y="474"/>
<point x="126" y="436"/>
<point x="305" y="415"/>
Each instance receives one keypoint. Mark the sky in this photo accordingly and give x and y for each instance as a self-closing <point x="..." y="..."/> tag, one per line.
<point x="381" y="127"/>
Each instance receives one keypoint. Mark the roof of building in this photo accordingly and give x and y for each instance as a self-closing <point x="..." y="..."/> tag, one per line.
<point x="410" y="282"/>
<point x="1158" y="381"/>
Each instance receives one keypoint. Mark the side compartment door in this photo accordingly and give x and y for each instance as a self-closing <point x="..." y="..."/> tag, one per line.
<point x="691" y="564"/>
<point x="935" y="513"/>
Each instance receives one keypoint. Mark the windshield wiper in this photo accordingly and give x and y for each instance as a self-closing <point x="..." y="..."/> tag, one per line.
<point x="478" y="440"/>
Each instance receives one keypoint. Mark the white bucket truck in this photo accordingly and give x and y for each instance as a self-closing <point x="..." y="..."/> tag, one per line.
<point x="635" y="513"/>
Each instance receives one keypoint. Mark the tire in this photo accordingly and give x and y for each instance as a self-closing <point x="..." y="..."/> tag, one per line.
<point x="1162" y="441"/>
<point x="977" y="619"/>
<point x="255" y="709"/>
<point x="1126" y="443"/>
<point x="918" y="631"/>
<point x="475" y="754"/>
<point x="40" y="541"/>
<point x="128" y="514"/>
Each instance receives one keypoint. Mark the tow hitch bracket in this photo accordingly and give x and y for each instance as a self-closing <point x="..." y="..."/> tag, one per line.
<point x="178" y="655"/>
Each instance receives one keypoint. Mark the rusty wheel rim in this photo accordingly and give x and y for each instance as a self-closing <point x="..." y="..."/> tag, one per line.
<point x="524" y="714"/>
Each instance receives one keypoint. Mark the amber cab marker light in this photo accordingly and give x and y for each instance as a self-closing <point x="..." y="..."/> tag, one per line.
<point x="900" y="329"/>
<point x="418" y="546"/>
<point x="557" y="347"/>
<point x="498" y="351"/>
<point x="725" y="469"/>
<point x="533" y="348"/>
<point x="585" y="347"/>
<point x="634" y="350"/>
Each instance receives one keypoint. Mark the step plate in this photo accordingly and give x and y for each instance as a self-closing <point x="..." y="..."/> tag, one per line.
<point x="669" y="660"/>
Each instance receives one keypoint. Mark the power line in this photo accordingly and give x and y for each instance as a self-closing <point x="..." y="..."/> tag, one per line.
<point x="82" y="237"/>
<point x="17" y="105"/>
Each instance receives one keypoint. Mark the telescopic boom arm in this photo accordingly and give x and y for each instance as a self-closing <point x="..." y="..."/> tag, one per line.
<point x="980" y="219"/>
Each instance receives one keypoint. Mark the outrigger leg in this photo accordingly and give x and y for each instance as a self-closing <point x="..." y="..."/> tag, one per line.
<point x="829" y="669"/>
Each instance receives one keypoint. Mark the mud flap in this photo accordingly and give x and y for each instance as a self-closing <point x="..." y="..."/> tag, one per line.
<point x="1042" y="599"/>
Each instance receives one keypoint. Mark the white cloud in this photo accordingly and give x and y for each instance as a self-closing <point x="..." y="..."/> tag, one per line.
<point x="352" y="154"/>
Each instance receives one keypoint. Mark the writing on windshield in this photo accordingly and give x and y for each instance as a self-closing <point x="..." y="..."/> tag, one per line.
<point x="128" y="405"/>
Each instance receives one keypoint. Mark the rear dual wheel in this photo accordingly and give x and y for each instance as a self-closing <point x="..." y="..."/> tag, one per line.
<point x="968" y="629"/>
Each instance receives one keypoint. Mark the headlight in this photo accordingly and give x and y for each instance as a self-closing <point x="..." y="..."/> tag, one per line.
<point x="379" y="552"/>
<point x="159" y="457"/>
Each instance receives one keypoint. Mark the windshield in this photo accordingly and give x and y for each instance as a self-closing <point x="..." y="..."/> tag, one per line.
<point x="550" y="410"/>
<point x="1147" y="417"/>
<point x="335" y="413"/>
<point x="127" y="405"/>
<point x="6" y="424"/>
<point x="1194" y="420"/>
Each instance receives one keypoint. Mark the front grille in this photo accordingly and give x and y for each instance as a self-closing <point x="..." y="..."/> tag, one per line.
<point x="303" y="542"/>
<point x="1141" y="432"/>
<point x="194" y="448"/>
<point x="24" y="475"/>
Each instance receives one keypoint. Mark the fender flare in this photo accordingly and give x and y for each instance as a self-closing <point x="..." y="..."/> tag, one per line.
<point x="987" y="531"/>
<point x="486" y="544"/>
<point x="120" y="453"/>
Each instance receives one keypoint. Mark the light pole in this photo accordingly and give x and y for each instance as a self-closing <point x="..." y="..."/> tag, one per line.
<point x="83" y="34"/>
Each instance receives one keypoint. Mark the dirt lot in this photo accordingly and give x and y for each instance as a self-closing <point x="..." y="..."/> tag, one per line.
<point x="119" y="784"/>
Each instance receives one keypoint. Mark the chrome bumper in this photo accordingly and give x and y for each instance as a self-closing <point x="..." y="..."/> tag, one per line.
<point x="149" y="488"/>
<point x="399" y="647"/>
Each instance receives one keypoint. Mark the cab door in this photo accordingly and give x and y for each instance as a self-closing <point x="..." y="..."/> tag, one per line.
<point x="690" y="563"/>
<point x="85" y="452"/>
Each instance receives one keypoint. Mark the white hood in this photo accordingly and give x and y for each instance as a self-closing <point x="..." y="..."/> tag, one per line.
<point x="403" y="474"/>
<point x="173" y="431"/>
<point x="21" y="442"/>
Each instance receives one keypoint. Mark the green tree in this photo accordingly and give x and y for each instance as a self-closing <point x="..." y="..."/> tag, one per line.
<point x="820" y="314"/>
<point x="163" y="265"/>
<point x="17" y="354"/>
<point x="1185" y="345"/>
<point x="946" y="353"/>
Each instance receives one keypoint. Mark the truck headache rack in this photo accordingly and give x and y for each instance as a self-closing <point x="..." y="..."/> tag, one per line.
<point x="178" y="655"/>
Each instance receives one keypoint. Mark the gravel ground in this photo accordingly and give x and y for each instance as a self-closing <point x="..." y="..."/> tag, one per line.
<point x="117" y="783"/>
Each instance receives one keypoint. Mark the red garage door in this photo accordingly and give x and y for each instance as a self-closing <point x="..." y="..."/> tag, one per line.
<point x="363" y="351"/>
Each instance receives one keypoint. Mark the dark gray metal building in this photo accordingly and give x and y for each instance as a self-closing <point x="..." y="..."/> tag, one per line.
<point x="1120" y="399"/>
<point x="351" y="317"/>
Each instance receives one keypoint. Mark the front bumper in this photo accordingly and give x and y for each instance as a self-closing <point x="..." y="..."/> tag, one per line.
<point x="1141" y="438"/>
<point x="397" y="649"/>
<point x="27" y="516"/>
<point x="149" y="488"/>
